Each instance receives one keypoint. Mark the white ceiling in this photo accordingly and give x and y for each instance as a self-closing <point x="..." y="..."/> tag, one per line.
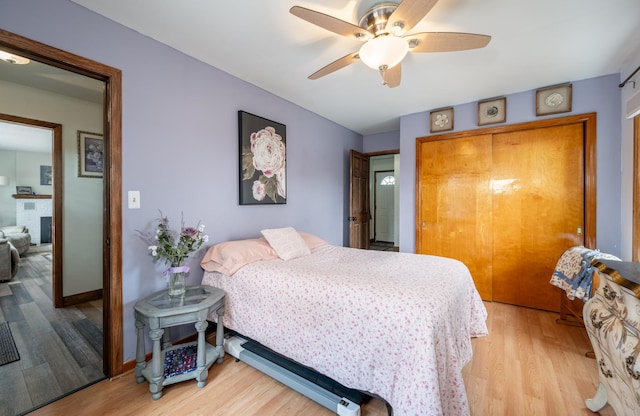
<point x="25" y="138"/>
<point x="534" y="43"/>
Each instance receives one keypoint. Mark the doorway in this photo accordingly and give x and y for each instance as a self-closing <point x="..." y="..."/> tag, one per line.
<point x="112" y="195"/>
<point x="30" y="131"/>
<point x="373" y="210"/>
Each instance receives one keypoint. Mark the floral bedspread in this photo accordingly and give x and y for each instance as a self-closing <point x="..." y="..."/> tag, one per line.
<point x="396" y="325"/>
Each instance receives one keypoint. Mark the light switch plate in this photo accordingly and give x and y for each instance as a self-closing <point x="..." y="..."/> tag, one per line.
<point x="134" y="199"/>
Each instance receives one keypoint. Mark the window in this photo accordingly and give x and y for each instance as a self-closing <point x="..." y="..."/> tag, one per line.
<point x="388" y="181"/>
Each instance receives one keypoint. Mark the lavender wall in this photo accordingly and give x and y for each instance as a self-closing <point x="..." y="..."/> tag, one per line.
<point x="599" y="95"/>
<point x="381" y="142"/>
<point x="180" y="140"/>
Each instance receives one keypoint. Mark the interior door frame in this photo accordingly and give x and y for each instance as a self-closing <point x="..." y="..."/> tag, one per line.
<point x="588" y="121"/>
<point x="112" y="224"/>
<point x="635" y="238"/>
<point x="56" y="163"/>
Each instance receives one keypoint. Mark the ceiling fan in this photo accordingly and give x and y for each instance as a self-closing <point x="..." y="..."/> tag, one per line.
<point x="383" y="30"/>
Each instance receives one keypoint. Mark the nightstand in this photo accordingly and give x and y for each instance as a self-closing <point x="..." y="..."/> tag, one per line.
<point x="159" y="311"/>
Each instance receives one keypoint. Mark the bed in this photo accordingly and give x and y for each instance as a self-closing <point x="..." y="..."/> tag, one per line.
<point x="395" y="325"/>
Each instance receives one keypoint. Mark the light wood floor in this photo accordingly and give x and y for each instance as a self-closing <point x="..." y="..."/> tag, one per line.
<point x="528" y="365"/>
<point x="60" y="349"/>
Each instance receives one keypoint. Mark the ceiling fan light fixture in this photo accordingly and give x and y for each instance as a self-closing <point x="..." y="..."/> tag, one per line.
<point x="386" y="50"/>
<point x="12" y="58"/>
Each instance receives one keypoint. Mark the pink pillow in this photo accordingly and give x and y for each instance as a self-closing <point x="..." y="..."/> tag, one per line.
<point x="230" y="256"/>
<point x="312" y="240"/>
<point x="286" y="242"/>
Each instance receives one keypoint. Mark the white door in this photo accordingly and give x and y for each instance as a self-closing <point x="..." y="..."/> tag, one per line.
<point x="384" y="194"/>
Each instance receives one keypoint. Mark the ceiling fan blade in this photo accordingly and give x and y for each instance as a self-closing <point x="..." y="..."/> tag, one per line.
<point x="445" y="41"/>
<point x="408" y="14"/>
<point x="392" y="76"/>
<point x="330" y="23"/>
<point x="335" y="65"/>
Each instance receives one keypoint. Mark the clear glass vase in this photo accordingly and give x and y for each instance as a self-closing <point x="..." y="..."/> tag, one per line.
<point x="176" y="283"/>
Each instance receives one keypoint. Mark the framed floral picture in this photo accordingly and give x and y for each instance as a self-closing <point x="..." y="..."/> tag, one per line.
<point x="553" y="100"/>
<point x="441" y="120"/>
<point x="263" y="160"/>
<point x="90" y="155"/>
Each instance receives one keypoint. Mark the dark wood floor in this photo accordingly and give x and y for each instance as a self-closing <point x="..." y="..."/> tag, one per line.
<point x="60" y="349"/>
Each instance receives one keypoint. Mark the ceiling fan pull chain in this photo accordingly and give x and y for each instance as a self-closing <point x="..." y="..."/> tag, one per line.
<point x="383" y="71"/>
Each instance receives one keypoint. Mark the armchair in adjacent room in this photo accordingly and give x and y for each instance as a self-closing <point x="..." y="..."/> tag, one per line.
<point x="18" y="235"/>
<point x="9" y="260"/>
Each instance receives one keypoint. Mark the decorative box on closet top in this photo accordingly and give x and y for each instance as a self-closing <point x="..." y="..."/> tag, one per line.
<point x="612" y="320"/>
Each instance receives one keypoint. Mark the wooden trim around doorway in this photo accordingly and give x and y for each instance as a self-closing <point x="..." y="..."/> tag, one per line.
<point x="635" y="238"/>
<point x="112" y="245"/>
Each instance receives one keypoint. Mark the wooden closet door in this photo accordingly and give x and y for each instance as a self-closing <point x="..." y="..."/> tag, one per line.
<point x="538" y="210"/>
<point x="454" y="204"/>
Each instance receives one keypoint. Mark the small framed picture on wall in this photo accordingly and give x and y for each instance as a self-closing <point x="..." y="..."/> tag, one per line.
<point x="441" y="120"/>
<point x="491" y="111"/>
<point x="90" y="155"/>
<point x="553" y="100"/>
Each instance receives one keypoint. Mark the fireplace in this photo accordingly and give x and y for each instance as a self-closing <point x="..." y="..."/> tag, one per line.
<point x="29" y="210"/>
<point x="45" y="230"/>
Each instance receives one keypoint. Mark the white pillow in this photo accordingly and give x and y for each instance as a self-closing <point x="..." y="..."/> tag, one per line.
<point x="286" y="242"/>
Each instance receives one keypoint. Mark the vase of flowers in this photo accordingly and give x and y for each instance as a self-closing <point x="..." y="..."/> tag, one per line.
<point x="174" y="248"/>
<point x="176" y="281"/>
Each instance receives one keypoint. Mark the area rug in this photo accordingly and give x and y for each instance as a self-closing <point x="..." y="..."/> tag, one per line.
<point x="8" y="350"/>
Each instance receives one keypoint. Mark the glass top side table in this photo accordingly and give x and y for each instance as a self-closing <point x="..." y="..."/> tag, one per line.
<point x="160" y="311"/>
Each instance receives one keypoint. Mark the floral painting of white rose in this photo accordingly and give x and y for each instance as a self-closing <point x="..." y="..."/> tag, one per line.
<point x="263" y="160"/>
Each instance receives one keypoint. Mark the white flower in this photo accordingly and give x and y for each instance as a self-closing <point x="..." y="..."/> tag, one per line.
<point x="154" y="250"/>
<point x="269" y="153"/>
<point x="201" y="228"/>
<point x="441" y="120"/>
<point x="259" y="190"/>
<point x="205" y="238"/>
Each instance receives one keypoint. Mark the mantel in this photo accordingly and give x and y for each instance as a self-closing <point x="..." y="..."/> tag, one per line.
<point x="25" y="196"/>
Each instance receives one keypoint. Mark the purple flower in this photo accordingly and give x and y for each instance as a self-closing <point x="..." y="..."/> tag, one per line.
<point x="190" y="232"/>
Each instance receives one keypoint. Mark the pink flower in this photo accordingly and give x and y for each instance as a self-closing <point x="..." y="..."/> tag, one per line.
<point x="259" y="190"/>
<point x="269" y="152"/>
